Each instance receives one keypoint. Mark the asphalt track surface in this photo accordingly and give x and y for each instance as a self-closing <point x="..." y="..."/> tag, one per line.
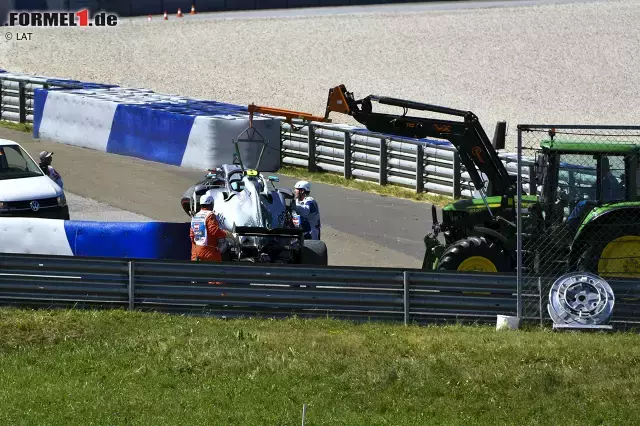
<point x="360" y="229"/>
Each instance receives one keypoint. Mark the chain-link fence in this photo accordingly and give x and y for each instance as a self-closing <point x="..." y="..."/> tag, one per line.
<point x="579" y="210"/>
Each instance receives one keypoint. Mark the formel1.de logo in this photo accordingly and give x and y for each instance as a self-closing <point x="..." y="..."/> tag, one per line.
<point x="80" y="18"/>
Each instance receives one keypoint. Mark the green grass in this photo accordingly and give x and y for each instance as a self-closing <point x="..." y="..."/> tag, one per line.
<point x="22" y="127"/>
<point x="116" y="367"/>
<point x="387" y="190"/>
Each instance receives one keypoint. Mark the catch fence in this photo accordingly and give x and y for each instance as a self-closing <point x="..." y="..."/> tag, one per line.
<point x="587" y="213"/>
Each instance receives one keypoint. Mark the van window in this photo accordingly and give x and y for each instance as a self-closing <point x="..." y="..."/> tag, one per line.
<point x="15" y="163"/>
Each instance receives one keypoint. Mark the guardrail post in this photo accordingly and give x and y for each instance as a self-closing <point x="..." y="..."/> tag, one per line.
<point x="311" y="146"/>
<point x="456" y="176"/>
<point x="382" y="179"/>
<point x="533" y="188"/>
<point x="131" y="286"/>
<point x="22" y="101"/>
<point x="406" y="297"/>
<point x="347" y="155"/>
<point x="420" y="169"/>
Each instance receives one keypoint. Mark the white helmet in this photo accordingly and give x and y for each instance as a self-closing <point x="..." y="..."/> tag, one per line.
<point x="206" y="199"/>
<point x="304" y="185"/>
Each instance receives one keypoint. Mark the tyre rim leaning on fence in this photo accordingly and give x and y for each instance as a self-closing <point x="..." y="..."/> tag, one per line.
<point x="580" y="298"/>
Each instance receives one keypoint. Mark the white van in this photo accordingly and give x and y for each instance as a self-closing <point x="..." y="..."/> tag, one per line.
<point x="25" y="191"/>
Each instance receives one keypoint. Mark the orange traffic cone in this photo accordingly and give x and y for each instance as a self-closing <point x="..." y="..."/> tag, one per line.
<point x="193" y="9"/>
<point x="166" y="17"/>
<point x="179" y="13"/>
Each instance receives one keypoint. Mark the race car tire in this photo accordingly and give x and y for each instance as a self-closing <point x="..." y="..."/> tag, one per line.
<point x="474" y="253"/>
<point x="314" y="252"/>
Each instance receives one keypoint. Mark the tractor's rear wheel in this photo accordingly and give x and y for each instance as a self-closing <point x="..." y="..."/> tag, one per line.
<point x="474" y="254"/>
<point x="617" y="256"/>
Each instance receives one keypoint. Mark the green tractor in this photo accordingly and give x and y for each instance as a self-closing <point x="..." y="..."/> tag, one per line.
<point x="585" y="218"/>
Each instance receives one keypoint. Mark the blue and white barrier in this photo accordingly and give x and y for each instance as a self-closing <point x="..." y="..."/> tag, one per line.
<point x="130" y="240"/>
<point x="140" y="123"/>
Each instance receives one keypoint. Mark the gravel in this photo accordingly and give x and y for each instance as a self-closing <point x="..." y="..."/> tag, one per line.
<point x="568" y="63"/>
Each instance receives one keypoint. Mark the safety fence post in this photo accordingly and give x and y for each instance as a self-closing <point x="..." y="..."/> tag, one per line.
<point x="131" y="286"/>
<point x="312" y="149"/>
<point x="519" y="226"/>
<point x="382" y="179"/>
<point x="405" y="276"/>
<point x="347" y="155"/>
<point x="22" y="101"/>
<point x="533" y="187"/>
<point x="456" y="176"/>
<point x="420" y="169"/>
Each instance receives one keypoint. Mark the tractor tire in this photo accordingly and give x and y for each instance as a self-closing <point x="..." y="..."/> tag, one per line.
<point x="618" y="256"/>
<point x="314" y="252"/>
<point x="474" y="254"/>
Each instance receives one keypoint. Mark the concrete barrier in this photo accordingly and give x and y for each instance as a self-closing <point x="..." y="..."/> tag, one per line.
<point x="131" y="240"/>
<point x="156" y="127"/>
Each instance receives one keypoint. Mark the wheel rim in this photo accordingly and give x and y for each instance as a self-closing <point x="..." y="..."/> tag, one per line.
<point x="580" y="298"/>
<point x="477" y="263"/>
<point x="621" y="258"/>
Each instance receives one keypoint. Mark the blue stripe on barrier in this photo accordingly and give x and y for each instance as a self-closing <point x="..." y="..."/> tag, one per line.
<point x="198" y="107"/>
<point x="39" y="99"/>
<point x="137" y="240"/>
<point x="150" y="134"/>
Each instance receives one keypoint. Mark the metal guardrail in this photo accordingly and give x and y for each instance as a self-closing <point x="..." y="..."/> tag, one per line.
<point x="251" y="290"/>
<point x="352" y="293"/>
<point x="17" y="93"/>
<point x="430" y="166"/>
<point x="16" y="100"/>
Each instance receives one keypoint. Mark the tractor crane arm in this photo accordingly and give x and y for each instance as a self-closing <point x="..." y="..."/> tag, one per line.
<point x="286" y="113"/>
<point x="468" y="136"/>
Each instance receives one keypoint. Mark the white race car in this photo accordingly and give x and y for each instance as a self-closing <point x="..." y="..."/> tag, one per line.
<point x="259" y="214"/>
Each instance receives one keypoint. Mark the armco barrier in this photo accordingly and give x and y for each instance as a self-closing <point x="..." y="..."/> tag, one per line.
<point x="361" y="294"/>
<point x="426" y="165"/>
<point x="17" y="93"/>
<point x="253" y="290"/>
<point x="127" y="121"/>
<point x="122" y="240"/>
<point x="167" y="129"/>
